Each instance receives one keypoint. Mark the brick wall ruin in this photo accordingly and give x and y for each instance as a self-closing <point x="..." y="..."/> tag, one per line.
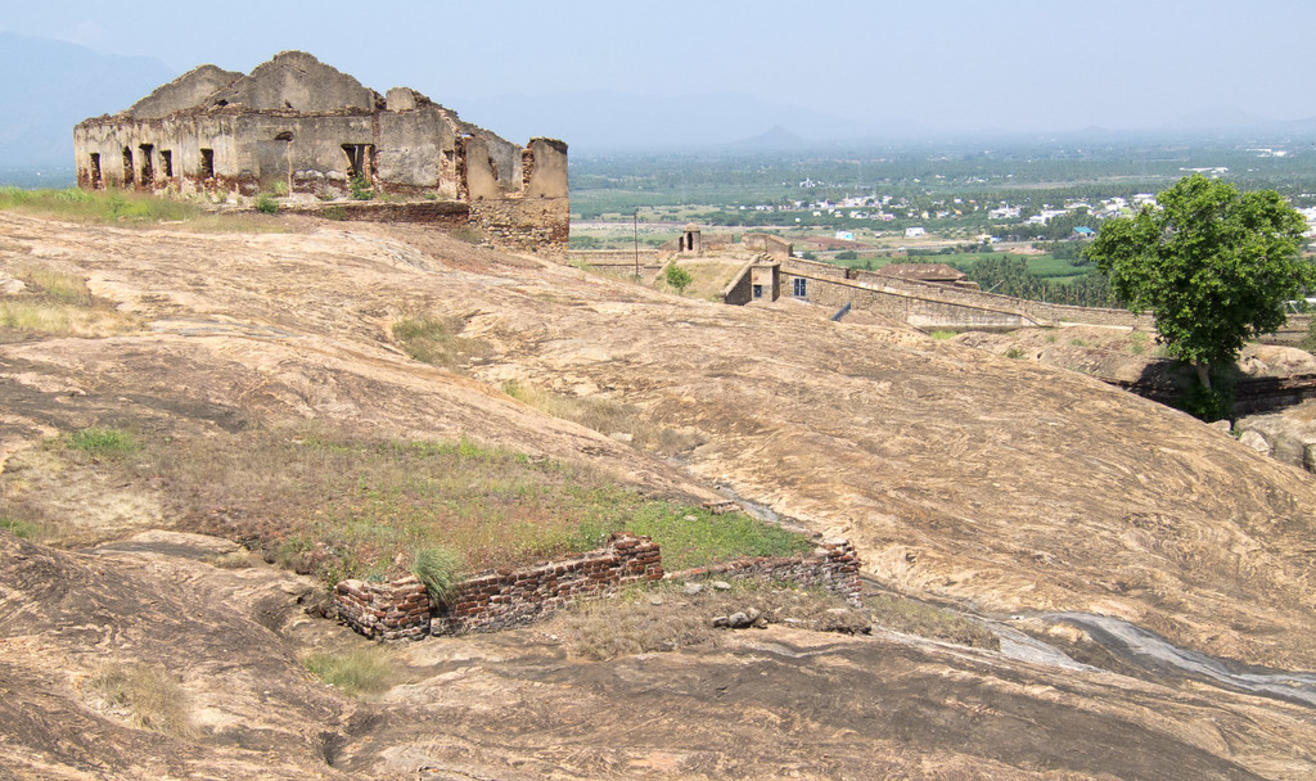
<point x="833" y="565"/>
<point x="301" y="130"/>
<point x="497" y="599"/>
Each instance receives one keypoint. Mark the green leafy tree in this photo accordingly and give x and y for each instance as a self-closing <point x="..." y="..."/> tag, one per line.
<point x="1213" y="266"/>
<point x="678" y="277"/>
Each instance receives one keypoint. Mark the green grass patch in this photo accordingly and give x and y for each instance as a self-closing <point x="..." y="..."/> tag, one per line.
<point x="941" y="334"/>
<point x="101" y="206"/>
<point x="22" y="529"/>
<point x="617" y="419"/>
<point x="103" y="442"/>
<point x="359" y="671"/>
<point x="338" y="506"/>
<point x="1014" y="352"/>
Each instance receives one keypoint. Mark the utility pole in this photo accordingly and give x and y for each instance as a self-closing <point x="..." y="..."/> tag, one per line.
<point x="636" y="226"/>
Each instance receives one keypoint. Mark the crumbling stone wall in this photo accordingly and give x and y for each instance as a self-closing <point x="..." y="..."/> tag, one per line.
<point x="777" y="247"/>
<point x="833" y="565"/>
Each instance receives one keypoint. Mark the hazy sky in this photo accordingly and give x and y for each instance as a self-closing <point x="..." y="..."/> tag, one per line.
<point x="951" y="64"/>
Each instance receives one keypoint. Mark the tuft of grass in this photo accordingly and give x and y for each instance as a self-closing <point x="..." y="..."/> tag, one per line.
<point x="103" y="442"/>
<point x="365" y="670"/>
<point x="149" y="696"/>
<point x="1078" y="343"/>
<point x="1014" y="352"/>
<point x="435" y="340"/>
<point x="916" y="618"/>
<point x="695" y="537"/>
<point x="942" y="334"/>
<point x="439" y="568"/>
<point x="26" y="530"/>
<point x="266" y="204"/>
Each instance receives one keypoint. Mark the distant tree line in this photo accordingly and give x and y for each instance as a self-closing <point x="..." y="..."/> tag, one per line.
<point x="1010" y="276"/>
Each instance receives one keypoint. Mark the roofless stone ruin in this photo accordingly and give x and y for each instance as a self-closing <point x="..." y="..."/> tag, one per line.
<point x="297" y="128"/>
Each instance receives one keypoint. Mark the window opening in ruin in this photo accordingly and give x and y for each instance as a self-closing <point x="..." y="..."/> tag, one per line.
<point x="800" y="288"/>
<point x="207" y="164"/>
<point x="285" y="135"/>
<point x="127" y="166"/>
<point x="758" y="291"/>
<point x="95" y="170"/>
<point x="358" y="158"/>
<point x="493" y="166"/>
<point x="167" y="163"/>
<point x="148" y="167"/>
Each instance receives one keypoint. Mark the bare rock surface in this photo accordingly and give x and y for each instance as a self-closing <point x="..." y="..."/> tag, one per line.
<point x="997" y="484"/>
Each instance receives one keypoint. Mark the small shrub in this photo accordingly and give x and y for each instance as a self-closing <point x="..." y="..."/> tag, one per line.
<point x="678" y="277"/>
<point x="439" y="568"/>
<point x="1014" y="352"/>
<point x="361" y="190"/>
<point x="267" y="205"/>
<point x="151" y="697"/>
<point x="1078" y="343"/>
<point x="335" y="213"/>
<point x="280" y="189"/>
<point x="359" y="671"/>
<point x="103" y="442"/>
<point x="435" y="341"/>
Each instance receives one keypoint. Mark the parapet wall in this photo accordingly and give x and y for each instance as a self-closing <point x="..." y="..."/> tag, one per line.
<point x="833" y="565"/>
<point x="497" y="599"/>
<point x="529" y="223"/>
<point x="933" y="305"/>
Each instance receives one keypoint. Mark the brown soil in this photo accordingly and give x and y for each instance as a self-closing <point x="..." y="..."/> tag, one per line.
<point x="996" y="485"/>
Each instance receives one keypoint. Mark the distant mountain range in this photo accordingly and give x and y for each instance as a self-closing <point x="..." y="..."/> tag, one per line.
<point x="50" y="86"/>
<point x="53" y="85"/>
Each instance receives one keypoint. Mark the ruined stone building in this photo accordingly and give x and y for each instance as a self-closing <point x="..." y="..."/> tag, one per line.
<point x="297" y="128"/>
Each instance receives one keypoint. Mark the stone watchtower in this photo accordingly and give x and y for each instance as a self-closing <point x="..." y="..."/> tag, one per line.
<point x="691" y="242"/>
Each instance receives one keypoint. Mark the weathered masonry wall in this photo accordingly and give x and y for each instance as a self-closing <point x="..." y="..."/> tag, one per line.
<point x="496" y="599"/>
<point x="442" y="213"/>
<point x="621" y="258"/>
<point x="299" y="129"/>
<point x="833" y="565"/>
<point x="397" y="610"/>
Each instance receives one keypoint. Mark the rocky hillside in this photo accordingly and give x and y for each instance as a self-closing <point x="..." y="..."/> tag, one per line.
<point x="1014" y="493"/>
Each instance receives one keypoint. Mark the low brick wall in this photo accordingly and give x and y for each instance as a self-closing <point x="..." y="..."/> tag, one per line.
<point x="497" y="599"/>
<point x="833" y="565"/>
<point x="501" y="598"/>
<point x="388" y="611"/>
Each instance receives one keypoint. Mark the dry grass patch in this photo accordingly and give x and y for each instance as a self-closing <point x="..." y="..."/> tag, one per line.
<point x="621" y="421"/>
<point x="57" y="303"/>
<point x="917" y="618"/>
<point x="664" y="617"/>
<point x="363" y="670"/>
<point x="436" y="340"/>
<point x="145" y="695"/>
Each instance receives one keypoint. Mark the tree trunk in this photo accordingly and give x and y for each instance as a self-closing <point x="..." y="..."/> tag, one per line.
<point x="1203" y="373"/>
